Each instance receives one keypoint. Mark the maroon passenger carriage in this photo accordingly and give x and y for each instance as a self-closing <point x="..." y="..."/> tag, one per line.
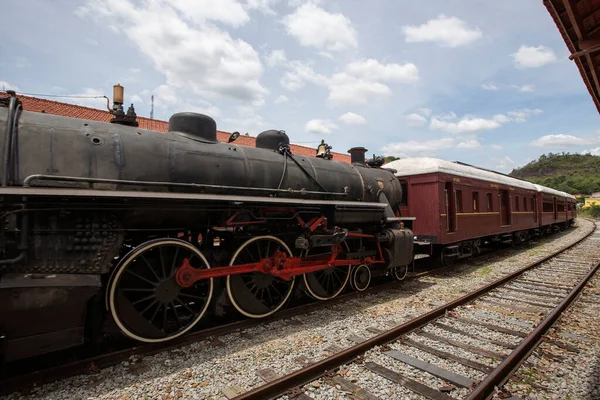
<point x="454" y="209"/>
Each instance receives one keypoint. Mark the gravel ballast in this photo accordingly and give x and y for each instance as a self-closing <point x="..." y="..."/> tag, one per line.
<point x="205" y="369"/>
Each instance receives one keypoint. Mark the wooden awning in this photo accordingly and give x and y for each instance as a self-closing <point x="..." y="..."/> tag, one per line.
<point x="579" y="24"/>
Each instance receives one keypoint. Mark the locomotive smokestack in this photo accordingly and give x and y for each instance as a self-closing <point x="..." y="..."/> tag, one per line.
<point x="357" y="155"/>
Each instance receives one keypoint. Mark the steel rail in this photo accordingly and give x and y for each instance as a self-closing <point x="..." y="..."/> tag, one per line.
<point x="502" y="372"/>
<point x="284" y="384"/>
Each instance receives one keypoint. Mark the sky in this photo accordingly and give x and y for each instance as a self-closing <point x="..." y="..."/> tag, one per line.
<point x="483" y="82"/>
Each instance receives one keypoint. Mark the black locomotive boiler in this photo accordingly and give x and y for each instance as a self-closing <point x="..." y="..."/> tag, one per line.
<point x="105" y="223"/>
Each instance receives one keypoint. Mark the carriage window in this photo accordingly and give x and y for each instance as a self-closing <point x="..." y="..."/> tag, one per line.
<point x="560" y="207"/>
<point x="489" y="202"/>
<point x="548" y="206"/>
<point x="459" y="205"/>
<point x="404" y="199"/>
<point x="533" y="204"/>
<point x="475" y="202"/>
<point x="524" y="203"/>
<point x="516" y="203"/>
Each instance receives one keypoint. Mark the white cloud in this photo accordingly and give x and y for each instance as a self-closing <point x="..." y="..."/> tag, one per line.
<point x="413" y="148"/>
<point x="489" y="86"/>
<point x="320" y="126"/>
<point x="7" y="86"/>
<point x="473" y="124"/>
<point x="135" y="99"/>
<point x="134" y="70"/>
<point x="299" y="74"/>
<point x="351" y="118"/>
<point x="594" y="152"/>
<point x="524" y="114"/>
<point x="360" y="83"/>
<point x="524" y="88"/>
<point x="505" y="164"/>
<point x="276" y="58"/>
<point x="445" y="31"/>
<point x="263" y="6"/>
<point x="229" y="12"/>
<point x="501" y="118"/>
<point x="496" y="147"/>
<point x="281" y="99"/>
<point x="21" y="62"/>
<point x="465" y="125"/>
<point x="314" y="27"/>
<point x="373" y="70"/>
<point x="533" y="57"/>
<point x="247" y="120"/>
<point x="348" y="90"/>
<point x="92" y="42"/>
<point x="469" y="144"/>
<point x="415" y="119"/>
<point x="168" y="98"/>
<point x="426" y="112"/>
<point x="197" y="57"/>
<point x="561" y="141"/>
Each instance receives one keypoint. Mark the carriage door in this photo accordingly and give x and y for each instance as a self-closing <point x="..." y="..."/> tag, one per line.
<point x="555" y="209"/>
<point x="450" y="207"/>
<point x="504" y="207"/>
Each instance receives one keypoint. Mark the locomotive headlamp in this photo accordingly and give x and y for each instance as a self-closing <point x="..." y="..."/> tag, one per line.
<point x="118" y="94"/>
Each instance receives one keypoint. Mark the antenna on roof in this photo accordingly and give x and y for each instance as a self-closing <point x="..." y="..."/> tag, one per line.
<point x="152" y="107"/>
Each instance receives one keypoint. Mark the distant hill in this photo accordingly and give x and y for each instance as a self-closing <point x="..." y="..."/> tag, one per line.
<point x="571" y="173"/>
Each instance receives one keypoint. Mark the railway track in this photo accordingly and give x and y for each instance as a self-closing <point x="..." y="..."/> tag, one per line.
<point x="93" y="364"/>
<point x="485" y="335"/>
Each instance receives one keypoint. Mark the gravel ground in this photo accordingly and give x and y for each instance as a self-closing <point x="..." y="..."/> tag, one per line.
<point x="203" y="370"/>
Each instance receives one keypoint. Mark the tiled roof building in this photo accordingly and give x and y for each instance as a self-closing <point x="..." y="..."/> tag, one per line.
<point x="37" y="104"/>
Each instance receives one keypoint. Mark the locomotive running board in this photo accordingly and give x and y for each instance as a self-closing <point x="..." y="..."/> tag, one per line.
<point x="55" y="192"/>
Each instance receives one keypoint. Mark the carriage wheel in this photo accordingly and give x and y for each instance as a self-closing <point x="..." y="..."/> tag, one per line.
<point x="399" y="273"/>
<point x="254" y="294"/>
<point x="361" y="277"/>
<point x="145" y="300"/>
<point x="327" y="283"/>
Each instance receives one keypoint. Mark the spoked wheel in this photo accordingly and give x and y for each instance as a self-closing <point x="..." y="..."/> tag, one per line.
<point x="361" y="277"/>
<point x="145" y="300"/>
<point x="327" y="283"/>
<point x="254" y="294"/>
<point x="399" y="273"/>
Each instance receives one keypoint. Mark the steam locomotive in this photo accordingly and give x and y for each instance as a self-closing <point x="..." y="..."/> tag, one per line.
<point x="109" y="223"/>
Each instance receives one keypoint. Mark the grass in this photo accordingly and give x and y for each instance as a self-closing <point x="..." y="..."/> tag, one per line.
<point x="485" y="270"/>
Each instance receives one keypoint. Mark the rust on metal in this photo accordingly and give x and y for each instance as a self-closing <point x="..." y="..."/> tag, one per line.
<point x="478" y="337"/>
<point x="413" y="385"/>
<point x="356" y="338"/>
<point x="357" y="392"/>
<point x="448" y="356"/>
<point x="452" y="377"/>
<point x="464" y="346"/>
<point x="491" y="327"/>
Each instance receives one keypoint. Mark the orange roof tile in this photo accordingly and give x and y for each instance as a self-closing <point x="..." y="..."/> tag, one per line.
<point x="37" y="104"/>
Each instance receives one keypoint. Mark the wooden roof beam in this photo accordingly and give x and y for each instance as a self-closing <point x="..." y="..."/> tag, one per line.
<point x="575" y="21"/>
